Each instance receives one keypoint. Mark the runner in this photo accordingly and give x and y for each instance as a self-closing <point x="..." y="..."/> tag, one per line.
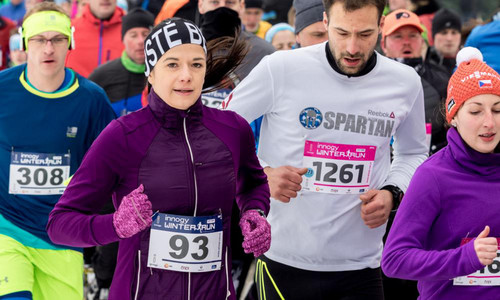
<point x="330" y="111"/>
<point x="452" y="197"/>
<point x="180" y="159"/>
<point x="50" y="117"/>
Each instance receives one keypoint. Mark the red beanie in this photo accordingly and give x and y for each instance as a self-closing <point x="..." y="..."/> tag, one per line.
<point x="473" y="77"/>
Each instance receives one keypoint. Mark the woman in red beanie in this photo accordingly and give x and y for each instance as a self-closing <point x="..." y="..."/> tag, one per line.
<point x="445" y="232"/>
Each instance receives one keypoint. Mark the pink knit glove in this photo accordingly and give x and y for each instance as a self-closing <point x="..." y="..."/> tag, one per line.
<point x="256" y="233"/>
<point x="133" y="214"/>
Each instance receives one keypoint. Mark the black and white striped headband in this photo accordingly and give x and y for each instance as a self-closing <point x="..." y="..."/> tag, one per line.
<point x="168" y="34"/>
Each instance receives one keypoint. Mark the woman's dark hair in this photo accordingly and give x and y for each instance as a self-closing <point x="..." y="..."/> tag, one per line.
<point x="224" y="55"/>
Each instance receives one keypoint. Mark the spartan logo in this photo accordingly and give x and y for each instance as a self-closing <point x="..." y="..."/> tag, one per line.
<point x="310" y="118"/>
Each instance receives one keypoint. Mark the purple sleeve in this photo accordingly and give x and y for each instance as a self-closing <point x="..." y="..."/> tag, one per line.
<point x="74" y="221"/>
<point x="405" y="255"/>
<point x="252" y="188"/>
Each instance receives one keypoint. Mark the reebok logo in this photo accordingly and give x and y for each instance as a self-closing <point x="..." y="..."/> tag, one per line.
<point x="381" y="114"/>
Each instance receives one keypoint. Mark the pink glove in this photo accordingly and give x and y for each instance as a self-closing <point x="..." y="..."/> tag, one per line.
<point x="256" y="233"/>
<point x="133" y="214"/>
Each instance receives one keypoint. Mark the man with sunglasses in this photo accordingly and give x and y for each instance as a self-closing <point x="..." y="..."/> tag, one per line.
<point x="50" y="117"/>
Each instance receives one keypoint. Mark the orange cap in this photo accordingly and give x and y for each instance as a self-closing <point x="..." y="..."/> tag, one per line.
<point x="473" y="77"/>
<point x="399" y="18"/>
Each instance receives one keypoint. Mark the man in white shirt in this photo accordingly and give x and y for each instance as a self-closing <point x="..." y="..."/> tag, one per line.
<point x="330" y="111"/>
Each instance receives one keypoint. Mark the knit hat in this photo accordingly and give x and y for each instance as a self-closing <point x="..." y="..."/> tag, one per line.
<point x="254" y="4"/>
<point x="473" y="77"/>
<point x="137" y="17"/>
<point x="445" y="19"/>
<point x="167" y="35"/>
<point x="399" y="18"/>
<point x="277" y="28"/>
<point x="307" y="12"/>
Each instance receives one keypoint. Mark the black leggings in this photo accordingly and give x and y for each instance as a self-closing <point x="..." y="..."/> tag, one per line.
<point x="278" y="281"/>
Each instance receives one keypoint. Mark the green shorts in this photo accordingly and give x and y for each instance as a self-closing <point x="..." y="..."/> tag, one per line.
<point x="46" y="274"/>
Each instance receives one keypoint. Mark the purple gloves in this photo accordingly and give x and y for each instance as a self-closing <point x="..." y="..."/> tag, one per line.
<point x="256" y="233"/>
<point x="133" y="214"/>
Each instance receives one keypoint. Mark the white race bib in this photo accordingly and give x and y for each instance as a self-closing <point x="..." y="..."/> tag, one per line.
<point x="488" y="276"/>
<point x="337" y="168"/>
<point x="38" y="173"/>
<point x="186" y="243"/>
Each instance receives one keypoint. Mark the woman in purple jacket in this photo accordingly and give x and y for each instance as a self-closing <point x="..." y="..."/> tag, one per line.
<point x="187" y="163"/>
<point x="446" y="229"/>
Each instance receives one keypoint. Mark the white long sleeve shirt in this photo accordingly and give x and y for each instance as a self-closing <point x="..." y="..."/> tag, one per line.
<point x="303" y="99"/>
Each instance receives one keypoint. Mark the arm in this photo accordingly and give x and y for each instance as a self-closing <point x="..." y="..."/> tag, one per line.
<point x="410" y="149"/>
<point x="255" y="95"/>
<point x="252" y="188"/>
<point x="74" y="221"/>
<point x="405" y="255"/>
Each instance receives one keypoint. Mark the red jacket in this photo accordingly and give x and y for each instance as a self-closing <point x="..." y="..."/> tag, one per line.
<point x="96" y="41"/>
<point x="6" y="27"/>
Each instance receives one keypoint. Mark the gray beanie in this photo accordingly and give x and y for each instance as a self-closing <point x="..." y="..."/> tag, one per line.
<point x="307" y="12"/>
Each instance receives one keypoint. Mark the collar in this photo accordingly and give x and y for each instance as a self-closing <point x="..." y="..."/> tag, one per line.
<point x="170" y="117"/>
<point x="130" y="65"/>
<point x="484" y="164"/>
<point x="116" y="18"/>
<point x="370" y="64"/>
<point x="416" y="63"/>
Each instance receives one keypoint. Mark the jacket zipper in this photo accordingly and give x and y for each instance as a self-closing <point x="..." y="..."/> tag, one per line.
<point x="228" y="293"/>
<point x="138" y="275"/>
<point x="99" y="55"/>
<point x="195" y="191"/>
<point x="194" y="173"/>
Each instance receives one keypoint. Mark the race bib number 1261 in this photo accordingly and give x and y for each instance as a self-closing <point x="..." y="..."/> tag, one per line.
<point x="337" y="168"/>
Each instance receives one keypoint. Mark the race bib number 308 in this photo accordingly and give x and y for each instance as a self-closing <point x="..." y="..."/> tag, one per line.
<point x="488" y="276"/>
<point x="337" y="168"/>
<point x="38" y="173"/>
<point x="186" y="243"/>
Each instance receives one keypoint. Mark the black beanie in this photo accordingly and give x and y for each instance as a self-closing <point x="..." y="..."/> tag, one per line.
<point x="220" y="22"/>
<point x="254" y="4"/>
<point x="445" y="19"/>
<point x="137" y="17"/>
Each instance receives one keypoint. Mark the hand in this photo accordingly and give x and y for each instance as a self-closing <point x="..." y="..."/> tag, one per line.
<point x="376" y="207"/>
<point x="133" y="214"/>
<point x="486" y="247"/>
<point x="256" y="233"/>
<point x="284" y="182"/>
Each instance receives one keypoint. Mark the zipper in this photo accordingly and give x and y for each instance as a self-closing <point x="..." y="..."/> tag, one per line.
<point x="194" y="172"/>
<point x="99" y="55"/>
<point x="138" y="274"/>
<point x="228" y="292"/>
<point x="195" y="191"/>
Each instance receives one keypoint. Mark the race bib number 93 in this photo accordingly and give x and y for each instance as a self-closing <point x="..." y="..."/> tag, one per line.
<point x="186" y="243"/>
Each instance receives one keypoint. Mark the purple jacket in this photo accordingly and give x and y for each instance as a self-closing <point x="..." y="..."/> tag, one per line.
<point x="150" y="147"/>
<point x="453" y="195"/>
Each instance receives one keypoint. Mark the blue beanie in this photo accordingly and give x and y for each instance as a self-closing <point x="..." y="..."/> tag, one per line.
<point x="277" y="28"/>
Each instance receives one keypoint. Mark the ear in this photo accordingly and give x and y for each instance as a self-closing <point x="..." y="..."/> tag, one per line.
<point x="381" y="24"/>
<point x="382" y="45"/>
<point x="325" y="21"/>
<point x="151" y="78"/>
<point x="454" y="122"/>
<point x="200" y="5"/>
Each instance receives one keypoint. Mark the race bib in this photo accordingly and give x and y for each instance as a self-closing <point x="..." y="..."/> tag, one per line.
<point x="488" y="276"/>
<point x="38" y="173"/>
<point x="428" y="134"/>
<point x="186" y="243"/>
<point x="337" y="168"/>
